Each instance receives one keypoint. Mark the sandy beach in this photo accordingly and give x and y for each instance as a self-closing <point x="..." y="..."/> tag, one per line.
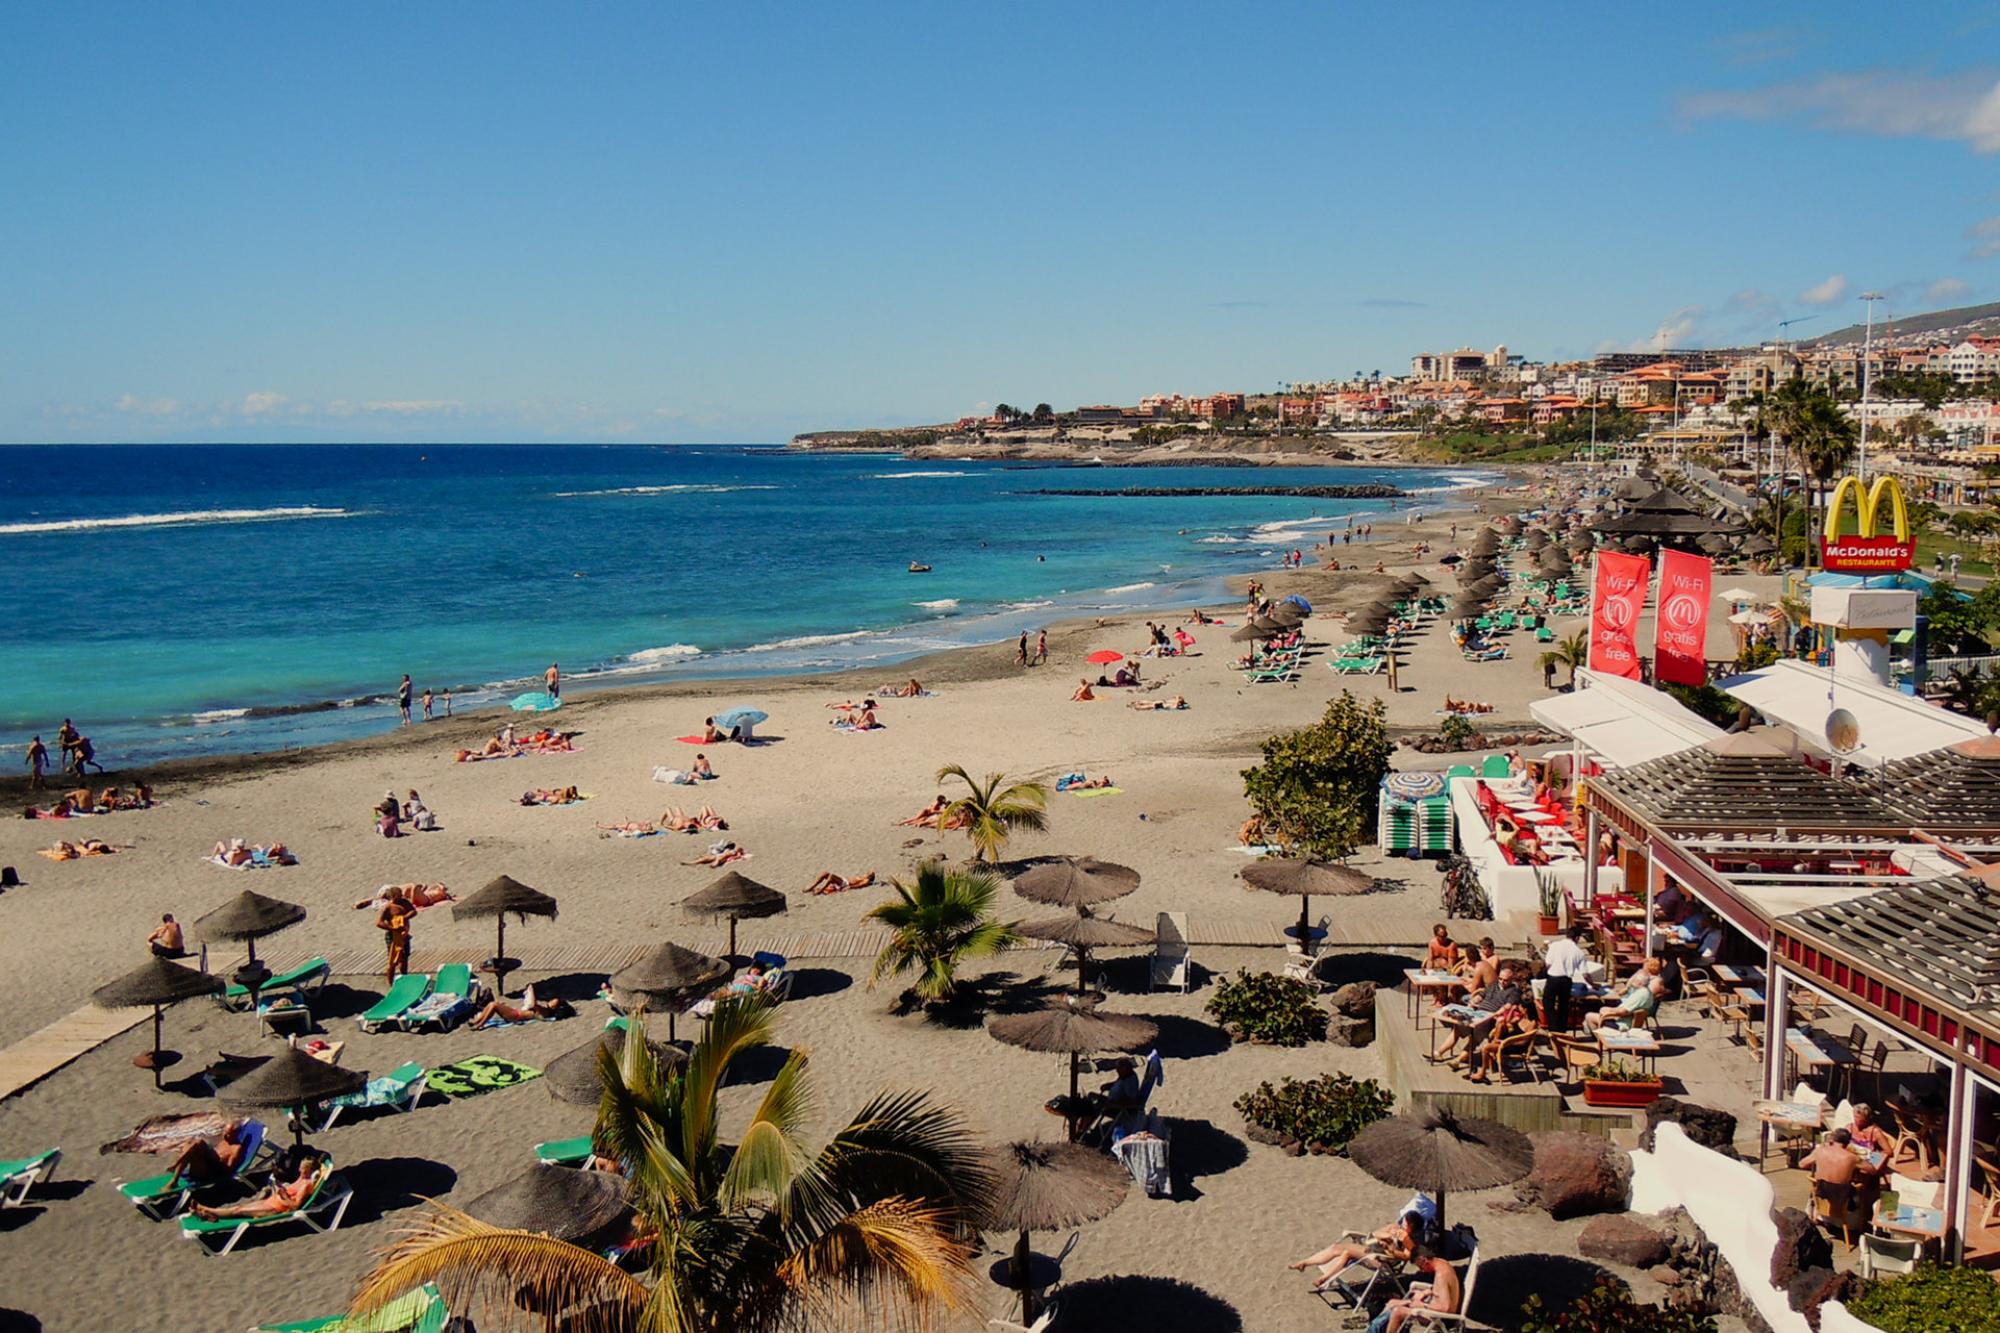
<point x="809" y="798"/>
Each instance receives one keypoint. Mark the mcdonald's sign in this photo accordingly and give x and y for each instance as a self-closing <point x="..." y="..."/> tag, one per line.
<point x="1868" y="551"/>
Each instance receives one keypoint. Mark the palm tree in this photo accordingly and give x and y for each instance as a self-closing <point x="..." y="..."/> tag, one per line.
<point x="1816" y="431"/>
<point x="989" y="813"/>
<point x="1572" y="652"/>
<point x="766" y="1235"/>
<point x="941" y="920"/>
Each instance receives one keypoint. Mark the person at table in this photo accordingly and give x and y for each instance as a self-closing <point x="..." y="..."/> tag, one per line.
<point x="1868" y="1136"/>
<point x="1440" y="952"/>
<point x="1475" y="1021"/>
<point x="1488" y="967"/>
<point x="1568" y="968"/>
<point x="1839" y="1175"/>
<point x="1121" y="1094"/>
<point x="1465" y="969"/>
<point x="1642" y="997"/>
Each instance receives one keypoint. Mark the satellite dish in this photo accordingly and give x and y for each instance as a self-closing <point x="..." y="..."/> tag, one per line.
<point x="1843" y="731"/>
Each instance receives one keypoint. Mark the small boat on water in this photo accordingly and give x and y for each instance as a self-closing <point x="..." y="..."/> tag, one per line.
<point x="916" y="568"/>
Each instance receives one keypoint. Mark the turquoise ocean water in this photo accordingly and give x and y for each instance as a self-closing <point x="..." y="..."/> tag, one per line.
<point x="191" y="599"/>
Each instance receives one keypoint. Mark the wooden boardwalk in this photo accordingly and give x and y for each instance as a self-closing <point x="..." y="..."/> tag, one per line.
<point x="35" y="1057"/>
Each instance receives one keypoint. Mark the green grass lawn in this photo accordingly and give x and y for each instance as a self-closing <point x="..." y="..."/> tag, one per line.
<point x="1930" y="545"/>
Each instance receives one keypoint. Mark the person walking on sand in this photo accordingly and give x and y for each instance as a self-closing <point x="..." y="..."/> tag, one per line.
<point x="86" y="755"/>
<point x="427" y="704"/>
<point x="394" y="923"/>
<point x="38" y="761"/>
<point x="554" y="677"/>
<point x="1021" y="651"/>
<point x="403" y="699"/>
<point x="1042" y="648"/>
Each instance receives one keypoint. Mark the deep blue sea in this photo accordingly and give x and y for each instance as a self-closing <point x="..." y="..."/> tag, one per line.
<point x="181" y="600"/>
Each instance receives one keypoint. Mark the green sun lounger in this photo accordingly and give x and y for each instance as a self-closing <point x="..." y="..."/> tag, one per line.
<point x="1495" y="766"/>
<point x="1359" y="666"/>
<point x="419" y="1311"/>
<point x="389" y="1010"/>
<point x="329" y="1200"/>
<point x="307" y="977"/>
<point x="451" y="1000"/>
<point x="399" y="1090"/>
<point x="161" y="1197"/>
<point x="18" y="1177"/>
<point x="565" y="1152"/>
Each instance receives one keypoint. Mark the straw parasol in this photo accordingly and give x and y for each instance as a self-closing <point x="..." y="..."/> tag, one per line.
<point x="1073" y="1028"/>
<point x="557" y="1201"/>
<point x="249" y="917"/>
<point x="1537" y="538"/>
<point x="291" y="1081"/>
<point x="737" y="897"/>
<point x="1259" y="627"/>
<point x="668" y="973"/>
<point x="1044" y="1186"/>
<point x="1076" y="881"/>
<point x="574" y="1076"/>
<point x="1431" y="1148"/>
<point x="504" y="896"/>
<point x="1306" y="880"/>
<point x="1287" y="614"/>
<point x="158" y="983"/>
<point x="1083" y="932"/>
<point x="1758" y="544"/>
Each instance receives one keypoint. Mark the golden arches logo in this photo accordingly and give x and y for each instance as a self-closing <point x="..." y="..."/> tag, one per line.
<point x="1868" y="551"/>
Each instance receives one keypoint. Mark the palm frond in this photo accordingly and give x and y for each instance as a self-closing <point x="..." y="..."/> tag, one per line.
<point x="904" y="1257"/>
<point x="737" y="1024"/>
<point x="476" y="1264"/>
<point x="768" y="1157"/>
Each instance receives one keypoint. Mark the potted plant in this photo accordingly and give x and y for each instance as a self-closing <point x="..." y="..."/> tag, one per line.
<point x="1550" y="893"/>
<point x="1617" y="1083"/>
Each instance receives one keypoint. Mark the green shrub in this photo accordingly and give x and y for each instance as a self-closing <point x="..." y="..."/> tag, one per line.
<point x="1617" y="1070"/>
<point x="1609" y="1308"/>
<point x="1456" y="733"/>
<point x="1322" y="1114"/>
<point x="1931" y="1300"/>
<point x="1269" y="1008"/>
<point x="1317" y="786"/>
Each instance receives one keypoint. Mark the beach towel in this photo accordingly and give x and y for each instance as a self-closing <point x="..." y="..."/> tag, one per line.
<point x="1098" y="791"/>
<point x="691" y="740"/>
<point x="479" y="1074"/>
<point x="581" y="797"/>
<point x="57" y="854"/>
<point x="639" y="833"/>
<point x="168" y="1133"/>
<point x="679" y="777"/>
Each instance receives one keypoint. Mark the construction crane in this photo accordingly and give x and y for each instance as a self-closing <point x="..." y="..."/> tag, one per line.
<point x="1784" y="324"/>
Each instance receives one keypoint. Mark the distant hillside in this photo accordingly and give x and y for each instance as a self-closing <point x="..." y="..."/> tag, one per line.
<point x="1971" y="318"/>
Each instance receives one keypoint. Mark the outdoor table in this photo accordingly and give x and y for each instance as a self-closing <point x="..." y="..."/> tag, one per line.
<point x="1540" y="817"/>
<point x="1623" y="1041"/>
<point x="1926" y="1224"/>
<point x="1738" y="976"/>
<point x="1802" y="1118"/>
<point x="1421" y="981"/>
<point x="1812" y="1054"/>
<point x="1750" y="996"/>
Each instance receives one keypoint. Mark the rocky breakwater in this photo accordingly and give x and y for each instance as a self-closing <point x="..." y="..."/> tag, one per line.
<point x="1373" y="490"/>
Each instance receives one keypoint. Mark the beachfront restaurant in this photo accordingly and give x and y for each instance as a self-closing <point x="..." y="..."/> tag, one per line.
<point x="1858" y="955"/>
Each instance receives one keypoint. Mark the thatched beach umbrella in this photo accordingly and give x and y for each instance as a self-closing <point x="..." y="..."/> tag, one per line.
<point x="1083" y="932"/>
<point x="1288" y="614"/>
<point x="738" y="898"/>
<point x="1537" y="538"/>
<point x="1044" y="1186"/>
<point x="249" y="917"/>
<point x="1757" y="544"/>
<point x="157" y="983"/>
<point x="503" y="897"/>
<point x="1259" y="627"/>
<point x="575" y="1077"/>
<point x="1070" y="1027"/>
<point x="1433" y="1149"/>
<point x="1306" y="880"/>
<point x="1076" y="881"/>
<point x="291" y="1081"/>
<point x="667" y="974"/>
<point x="557" y="1201"/>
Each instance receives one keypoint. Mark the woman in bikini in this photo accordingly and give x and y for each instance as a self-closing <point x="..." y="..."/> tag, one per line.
<point x="828" y="882"/>
<point x="1082" y="694"/>
<point x="926" y="817"/>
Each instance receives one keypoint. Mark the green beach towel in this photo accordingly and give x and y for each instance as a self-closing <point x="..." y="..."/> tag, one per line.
<point x="481" y="1073"/>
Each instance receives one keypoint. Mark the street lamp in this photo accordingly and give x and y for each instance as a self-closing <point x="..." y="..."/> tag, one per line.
<point x="1867" y="346"/>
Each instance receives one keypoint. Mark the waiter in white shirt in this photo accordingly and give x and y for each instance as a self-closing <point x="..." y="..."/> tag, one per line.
<point x="1567" y="964"/>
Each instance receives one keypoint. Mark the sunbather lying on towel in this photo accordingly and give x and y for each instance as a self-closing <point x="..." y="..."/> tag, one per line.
<point x="828" y="882"/>
<point x="1452" y="705"/>
<point x="66" y="850"/>
<point x="1160" y="705"/>
<point x="634" y="828"/>
<point x="926" y="817"/>
<point x="234" y="853"/>
<point x="281" y="1196"/>
<point x="1078" y="782"/>
<point x="64" y="808"/>
<point x="551" y="796"/>
<point x="909" y="689"/>
<point x="529" y="1010"/>
<point x="419" y="896"/>
<point x="721" y="854"/>
<point x="675" y="820"/>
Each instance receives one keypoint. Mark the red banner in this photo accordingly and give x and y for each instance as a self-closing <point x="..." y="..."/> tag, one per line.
<point x="1681" y="640"/>
<point x="1617" y="592"/>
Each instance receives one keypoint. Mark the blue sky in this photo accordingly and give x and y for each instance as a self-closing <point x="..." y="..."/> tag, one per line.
<point x="611" y="221"/>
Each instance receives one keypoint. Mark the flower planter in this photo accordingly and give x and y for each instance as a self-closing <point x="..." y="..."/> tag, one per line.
<point x="1549" y="924"/>
<point x="1622" y="1093"/>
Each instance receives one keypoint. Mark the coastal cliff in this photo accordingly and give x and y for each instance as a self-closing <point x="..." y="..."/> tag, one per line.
<point x="1112" y="448"/>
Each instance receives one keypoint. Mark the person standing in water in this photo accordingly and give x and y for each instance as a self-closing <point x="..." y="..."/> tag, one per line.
<point x="554" y="677"/>
<point x="403" y="699"/>
<point x="427" y="704"/>
<point x="38" y="761"/>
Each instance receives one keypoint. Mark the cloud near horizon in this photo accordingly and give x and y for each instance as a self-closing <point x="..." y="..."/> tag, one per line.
<point x="1825" y="293"/>
<point x="1961" y="107"/>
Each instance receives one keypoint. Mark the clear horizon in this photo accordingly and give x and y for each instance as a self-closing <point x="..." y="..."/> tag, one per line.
<point x="501" y="224"/>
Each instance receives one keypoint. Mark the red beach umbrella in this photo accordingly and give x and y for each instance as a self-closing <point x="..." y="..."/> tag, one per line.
<point x="1104" y="657"/>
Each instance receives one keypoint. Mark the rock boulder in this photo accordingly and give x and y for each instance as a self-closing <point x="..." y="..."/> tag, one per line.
<point x="1577" y="1174"/>
<point x="1705" y="1125"/>
<point x="1621" y="1238"/>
